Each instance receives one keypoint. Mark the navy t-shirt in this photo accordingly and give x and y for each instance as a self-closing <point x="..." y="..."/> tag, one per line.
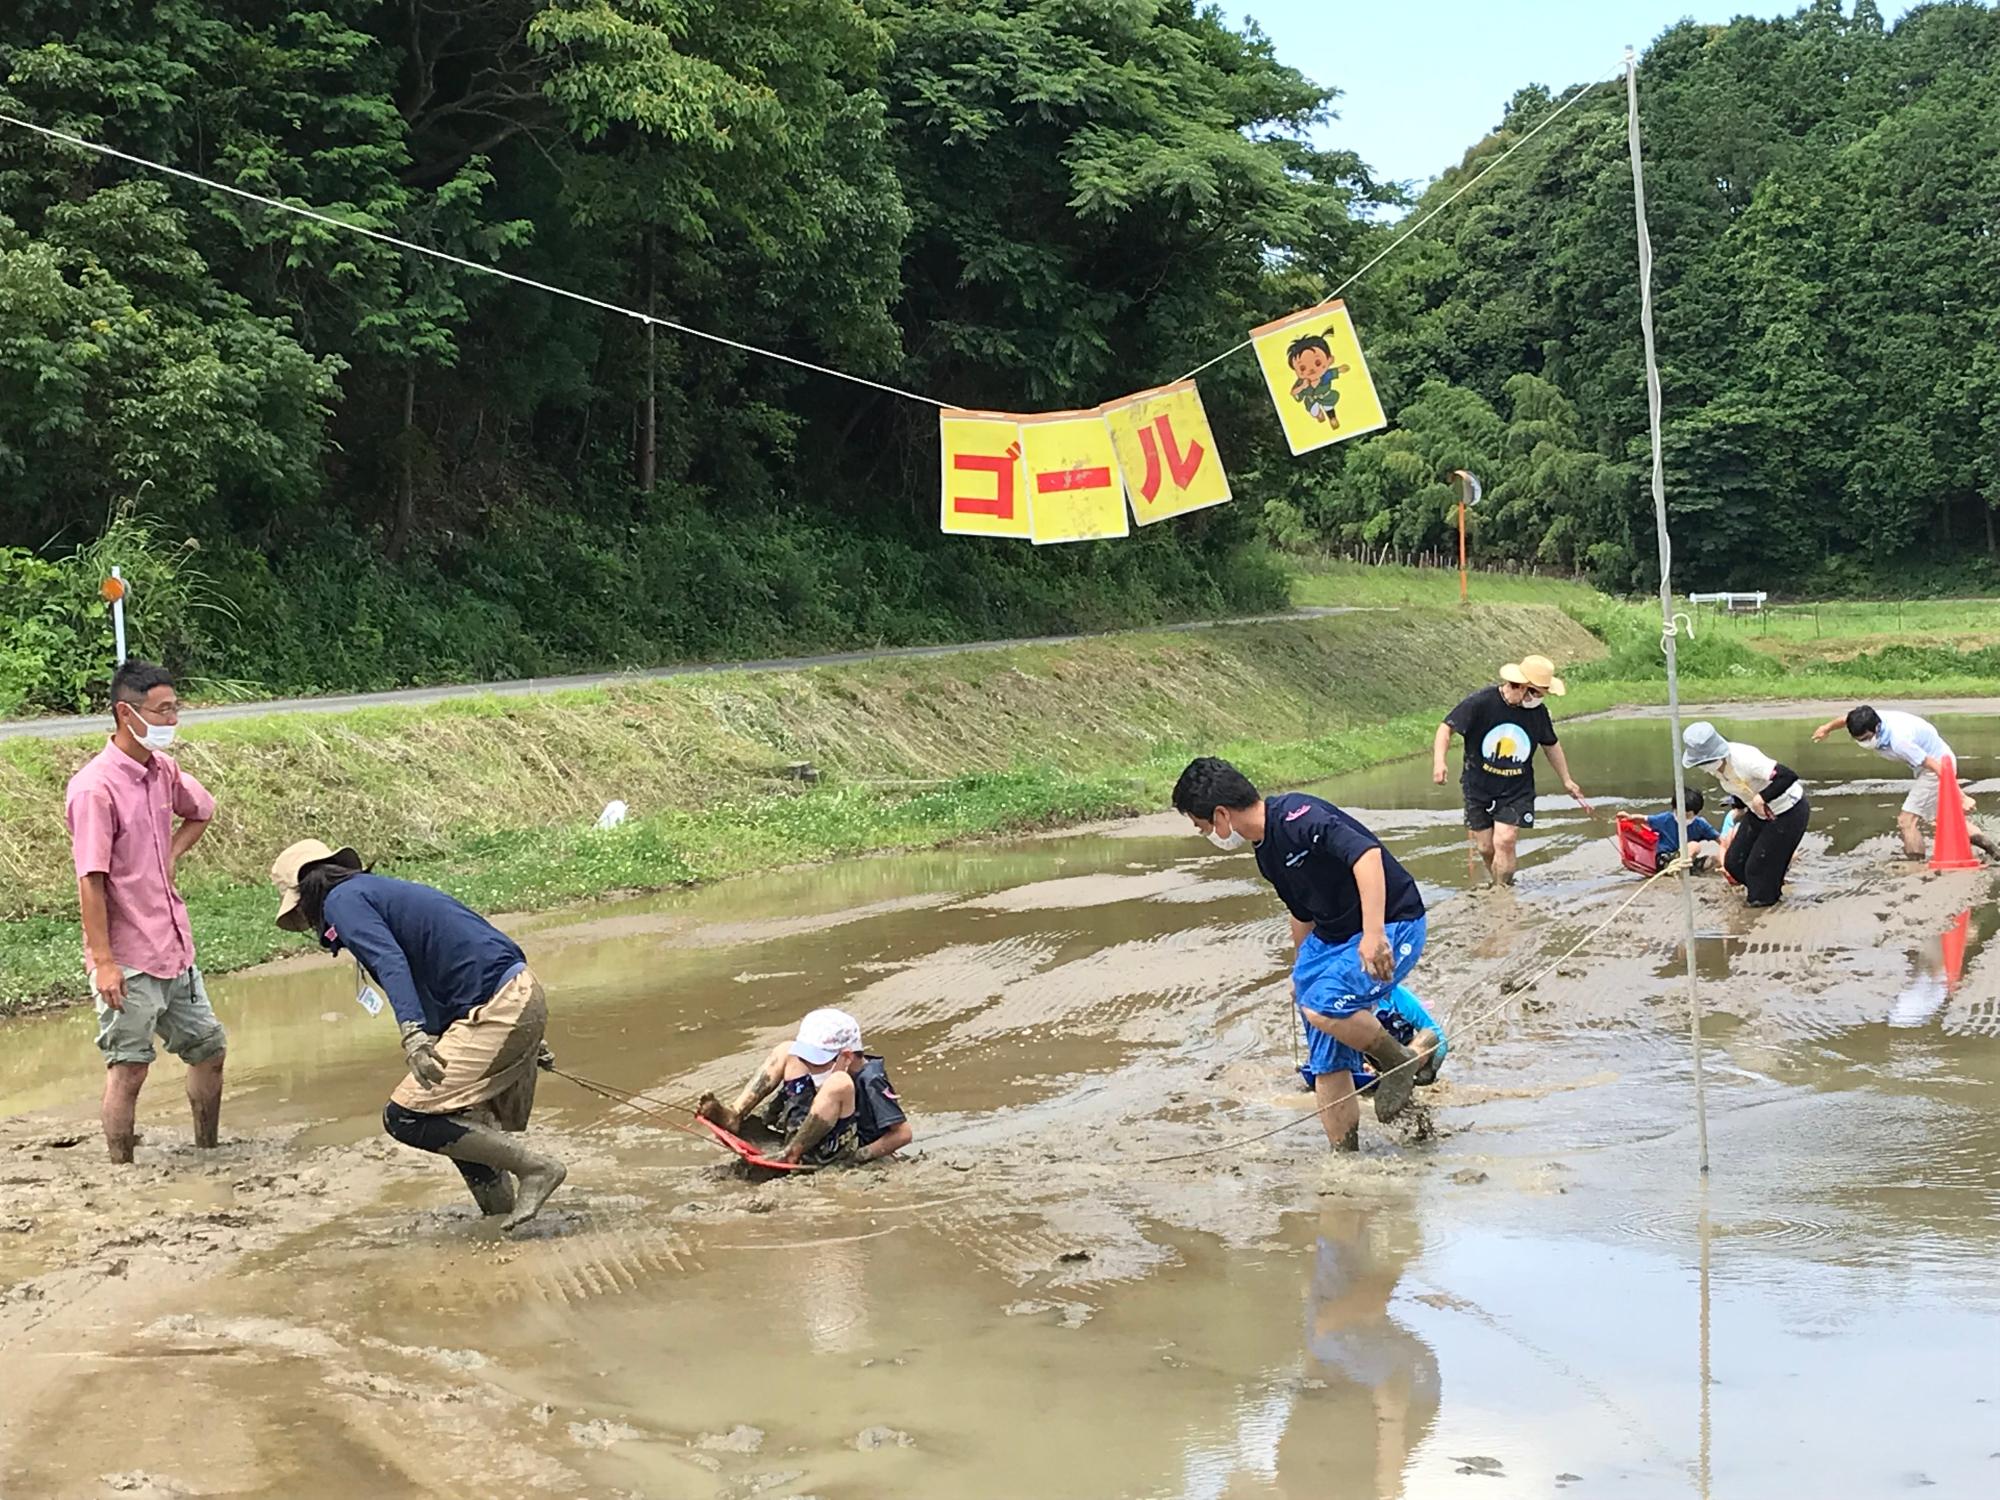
<point x="1308" y="854"/>
<point x="1500" y="741"/>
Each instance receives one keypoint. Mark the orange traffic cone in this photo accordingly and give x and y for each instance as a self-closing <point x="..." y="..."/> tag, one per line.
<point x="1954" y="950"/>
<point x="1952" y="848"/>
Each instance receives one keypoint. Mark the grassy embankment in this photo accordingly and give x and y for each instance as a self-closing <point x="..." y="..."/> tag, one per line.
<point x="495" y="798"/>
<point x="1920" y="648"/>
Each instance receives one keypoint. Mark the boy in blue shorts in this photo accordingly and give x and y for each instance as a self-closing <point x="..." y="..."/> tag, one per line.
<point x="1358" y="923"/>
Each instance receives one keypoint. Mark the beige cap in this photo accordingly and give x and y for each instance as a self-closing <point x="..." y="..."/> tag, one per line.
<point x="1537" y="672"/>
<point x="285" y="872"/>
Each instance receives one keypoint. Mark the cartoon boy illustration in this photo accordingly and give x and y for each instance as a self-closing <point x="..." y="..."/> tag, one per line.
<point x="1311" y="359"/>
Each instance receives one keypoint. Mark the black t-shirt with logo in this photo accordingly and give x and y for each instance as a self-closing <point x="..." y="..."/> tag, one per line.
<point x="1308" y="854"/>
<point x="1500" y="741"/>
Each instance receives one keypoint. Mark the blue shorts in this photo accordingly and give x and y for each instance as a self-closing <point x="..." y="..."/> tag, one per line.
<point x="1330" y="981"/>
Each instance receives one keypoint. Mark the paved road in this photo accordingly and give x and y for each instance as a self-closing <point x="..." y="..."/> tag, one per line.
<point x="520" y="687"/>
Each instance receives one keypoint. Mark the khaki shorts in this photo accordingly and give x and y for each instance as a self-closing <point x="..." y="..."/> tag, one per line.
<point x="488" y="1057"/>
<point x="176" y="1009"/>
<point x="1923" y="799"/>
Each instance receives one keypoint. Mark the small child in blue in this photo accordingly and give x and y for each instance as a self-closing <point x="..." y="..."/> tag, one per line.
<point x="1358" y="921"/>
<point x="1403" y="1016"/>
<point x="1700" y="830"/>
<point x="831" y="1102"/>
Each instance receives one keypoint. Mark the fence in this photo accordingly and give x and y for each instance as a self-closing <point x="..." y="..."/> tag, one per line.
<point x="1915" y="619"/>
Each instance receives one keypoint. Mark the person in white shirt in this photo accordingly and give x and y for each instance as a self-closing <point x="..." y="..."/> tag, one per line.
<point x="1895" y="735"/>
<point x="1766" y="838"/>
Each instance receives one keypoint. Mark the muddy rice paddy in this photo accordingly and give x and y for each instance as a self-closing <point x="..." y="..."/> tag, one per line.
<point x="1535" y="1296"/>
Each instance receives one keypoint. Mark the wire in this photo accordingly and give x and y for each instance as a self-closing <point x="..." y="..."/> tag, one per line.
<point x="1509" y="988"/>
<point x="1464" y="188"/>
<point x="761" y="351"/>
<point x="689" y="329"/>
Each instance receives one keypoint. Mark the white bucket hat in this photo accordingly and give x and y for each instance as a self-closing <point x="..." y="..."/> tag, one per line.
<point x="1702" y="745"/>
<point x="825" y="1034"/>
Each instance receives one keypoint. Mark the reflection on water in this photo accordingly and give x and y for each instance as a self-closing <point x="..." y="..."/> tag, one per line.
<point x="1538" y="1297"/>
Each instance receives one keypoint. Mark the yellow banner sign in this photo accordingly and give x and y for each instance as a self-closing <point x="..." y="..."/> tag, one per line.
<point x="1073" y="487"/>
<point x="1166" y="451"/>
<point x="1313" y="366"/>
<point x="985" y="484"/>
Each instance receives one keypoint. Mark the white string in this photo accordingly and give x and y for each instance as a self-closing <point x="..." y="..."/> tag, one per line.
<point x="1395" y="244"/>
<point x="761" y="351"/>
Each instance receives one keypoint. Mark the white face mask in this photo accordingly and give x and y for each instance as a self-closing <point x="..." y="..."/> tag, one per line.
<point x="1531" y="700"/>
<point x="1225" y="842"/>
<point x="152" y="736"/>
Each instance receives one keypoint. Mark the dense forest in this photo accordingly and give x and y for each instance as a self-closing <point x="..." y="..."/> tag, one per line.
<point x="330" y="463"/>
<point x="1824" y="198"/>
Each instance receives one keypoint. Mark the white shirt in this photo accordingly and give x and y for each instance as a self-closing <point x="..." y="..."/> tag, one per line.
<point x="1907" y="738"/>
<point x="1748" y="771"/>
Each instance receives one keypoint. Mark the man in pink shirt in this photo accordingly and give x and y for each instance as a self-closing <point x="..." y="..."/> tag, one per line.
<point x="121" y="809"/>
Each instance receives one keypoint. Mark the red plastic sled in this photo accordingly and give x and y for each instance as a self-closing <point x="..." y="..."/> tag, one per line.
<point x="750" y="1153"/>
<point x="1638" y="846"/>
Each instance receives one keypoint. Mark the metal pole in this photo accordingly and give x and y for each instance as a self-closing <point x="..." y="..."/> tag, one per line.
<point x="1668" y="631"/>
<point x="118" y="616"/>
<point x="1463" y="592"/>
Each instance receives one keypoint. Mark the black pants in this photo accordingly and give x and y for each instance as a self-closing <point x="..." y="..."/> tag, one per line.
<point x="1762" y="850"/>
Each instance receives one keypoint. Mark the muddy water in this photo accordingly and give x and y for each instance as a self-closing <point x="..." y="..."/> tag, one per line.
<point x="1035" y="1304"/>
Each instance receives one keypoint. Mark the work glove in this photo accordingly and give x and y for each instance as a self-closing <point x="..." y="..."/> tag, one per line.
<point x="544" y="1058"/>
<point x="420" y="1052"/>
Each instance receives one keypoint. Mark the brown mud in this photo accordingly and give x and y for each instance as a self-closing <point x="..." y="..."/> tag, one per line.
<point x="1035" y="1303"/>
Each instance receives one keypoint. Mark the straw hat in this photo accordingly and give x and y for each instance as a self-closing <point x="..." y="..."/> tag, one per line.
<point x="1537" y="672"/>
<point x="290" y="865"/>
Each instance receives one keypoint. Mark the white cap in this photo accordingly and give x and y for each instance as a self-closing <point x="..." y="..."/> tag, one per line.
<point x="825" y="1034"/>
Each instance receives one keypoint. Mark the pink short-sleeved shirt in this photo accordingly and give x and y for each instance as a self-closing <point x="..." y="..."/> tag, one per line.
<point x="121" y="825"/>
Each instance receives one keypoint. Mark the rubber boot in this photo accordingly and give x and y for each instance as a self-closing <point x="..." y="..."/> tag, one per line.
<point x="1425" y="1045"/>
<point x="1394" y="1082"/>
<point x="537" y="1175"/>
<point x="1983" y="842"/>
<point x="492" y="1191"/>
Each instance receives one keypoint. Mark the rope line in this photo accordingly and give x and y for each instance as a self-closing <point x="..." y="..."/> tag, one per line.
<point x="1509" y="989"/>
<point x="1397" y="243"/>
<point x="1669" y="621"/>
<point x="762" y="351"/>
<point x="651" y="1109"/>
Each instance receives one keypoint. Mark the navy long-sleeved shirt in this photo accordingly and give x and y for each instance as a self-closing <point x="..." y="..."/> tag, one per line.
<point x="435" y="959"/>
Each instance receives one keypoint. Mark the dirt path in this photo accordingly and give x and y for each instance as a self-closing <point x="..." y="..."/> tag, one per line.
<point x="62" y="728"/>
